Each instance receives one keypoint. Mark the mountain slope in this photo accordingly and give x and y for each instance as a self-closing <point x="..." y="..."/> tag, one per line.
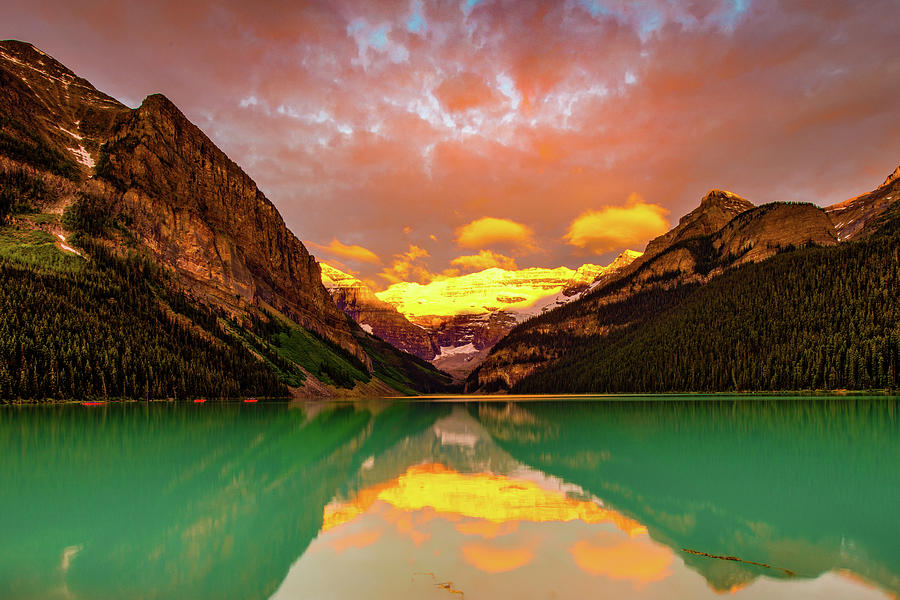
<point x="583" y="345"/>
<point x="114" y="185"/>
<point x="858" y="217"/>
<point x="716" y="209"/>
<point x="376" y="316"/>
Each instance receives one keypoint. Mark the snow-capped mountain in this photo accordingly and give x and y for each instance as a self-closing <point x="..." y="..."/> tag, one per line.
<point x="453" y="322"/>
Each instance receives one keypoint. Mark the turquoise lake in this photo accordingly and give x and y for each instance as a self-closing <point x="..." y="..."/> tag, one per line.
<point x="607" y="497"/>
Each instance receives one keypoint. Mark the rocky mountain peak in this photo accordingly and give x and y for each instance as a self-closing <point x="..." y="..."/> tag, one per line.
<point x="45" y="75"/>
<point x="725" y="200"/>
<point x="42" y="97"/>
<point x="27" y="55"/>
<point x="624" y="259"/>
<point x="892" y="177"/>
<point x="860" y="216"/>
<point x="716" y="209"/>
<point x="334" y="278"/>
<point x="159" y="103"/>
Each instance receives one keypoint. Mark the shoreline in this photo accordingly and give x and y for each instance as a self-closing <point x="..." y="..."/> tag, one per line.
<point x="775" y="395"/>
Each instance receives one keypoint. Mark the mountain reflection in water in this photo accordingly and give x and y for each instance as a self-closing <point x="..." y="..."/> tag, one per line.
<point x="552" y="499"/>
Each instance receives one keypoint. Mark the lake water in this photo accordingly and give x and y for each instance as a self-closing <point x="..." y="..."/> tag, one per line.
<point x="604" y="498"/>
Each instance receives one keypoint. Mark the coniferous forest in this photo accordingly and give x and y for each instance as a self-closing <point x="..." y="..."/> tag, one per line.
<point x="105" y="331"/>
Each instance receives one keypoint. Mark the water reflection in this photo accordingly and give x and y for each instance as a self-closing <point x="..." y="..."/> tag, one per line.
<point x="386" y="500"/>
<point x="804" y="487"/>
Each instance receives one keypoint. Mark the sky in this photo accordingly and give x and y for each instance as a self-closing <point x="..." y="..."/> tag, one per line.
<point x="413" y="139"/>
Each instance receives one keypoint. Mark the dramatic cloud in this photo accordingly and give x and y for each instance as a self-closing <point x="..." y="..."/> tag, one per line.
<point x="497" y="559"/>
<point x="616" y="227"/>
<point x="360" y="118"/>
<point x="352" y="252"/>
<point x="490" y="231"/>
<point x="464" y="91"/>
<point x="640" y="561"/>
<point x="485" y="259"/>
<point x="409" y="266"/>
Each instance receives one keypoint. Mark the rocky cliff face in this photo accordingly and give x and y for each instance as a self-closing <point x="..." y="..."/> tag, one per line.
<point x="48" y="108"/>
<point x="185" y="201"/>
<point x="377" y="317"/>
<point x="668" y="253"/>
<point x="759" y="233"/>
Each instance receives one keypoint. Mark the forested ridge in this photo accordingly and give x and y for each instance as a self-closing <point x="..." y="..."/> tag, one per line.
<point x="809" y="318"/>
<point x="104" y="330"/>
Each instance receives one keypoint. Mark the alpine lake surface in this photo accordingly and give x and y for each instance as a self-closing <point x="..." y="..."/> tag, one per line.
<point x="501" y="497"/>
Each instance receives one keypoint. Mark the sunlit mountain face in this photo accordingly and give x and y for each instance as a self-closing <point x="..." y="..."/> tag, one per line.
<point x="522" y="292"/>
<point x="454" y="320"/>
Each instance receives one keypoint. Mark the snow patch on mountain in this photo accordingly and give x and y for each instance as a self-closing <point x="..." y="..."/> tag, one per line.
<point x="457" y="350"/>
<point x="82" y="156"/>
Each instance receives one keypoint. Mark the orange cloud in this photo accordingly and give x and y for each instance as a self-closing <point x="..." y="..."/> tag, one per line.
<point x="463" y="92"/>
<point x="636" y="560"/>
<point x="352" y="252"/>
<point x="618" y="227"/>
<point x="491" y="559"/>
<point x="487" y="529"/>
<point x="409" y="266"/>
<point x="356" y="540"/>
<point x="491" y="231"/>
<point x="485" y="259"/>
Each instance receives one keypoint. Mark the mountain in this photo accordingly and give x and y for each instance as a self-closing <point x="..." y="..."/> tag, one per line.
<point x="454" y="321"/>
<point x="86" y="176"/>
<point x="726" y="309"/>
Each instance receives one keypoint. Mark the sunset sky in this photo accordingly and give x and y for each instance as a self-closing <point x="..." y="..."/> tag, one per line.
<point x="405" y="139"/>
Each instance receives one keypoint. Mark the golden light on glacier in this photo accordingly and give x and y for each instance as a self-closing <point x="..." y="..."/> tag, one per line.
<point x="485" y="291"/>
<point x="523" y="291"/>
